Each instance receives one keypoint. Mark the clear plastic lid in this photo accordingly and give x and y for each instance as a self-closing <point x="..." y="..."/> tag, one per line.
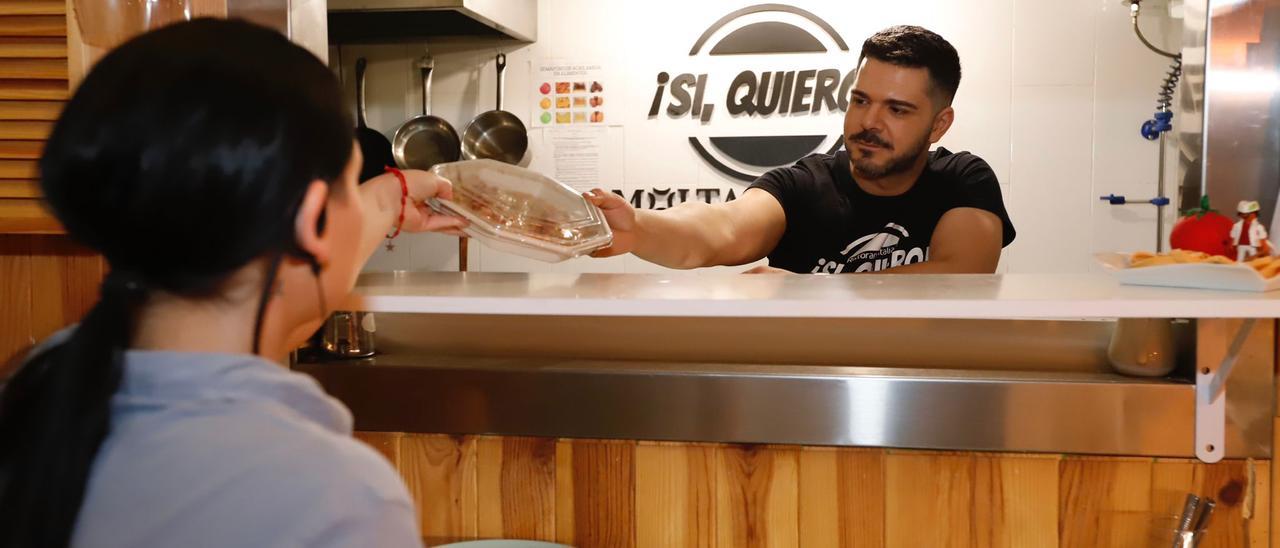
<point x="522" y="211"/>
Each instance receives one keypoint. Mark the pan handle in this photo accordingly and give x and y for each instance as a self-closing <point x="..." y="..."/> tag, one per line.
<point x="426" y="65"/>
<point x="361" y="64"/>
<point x="502" y="68"/>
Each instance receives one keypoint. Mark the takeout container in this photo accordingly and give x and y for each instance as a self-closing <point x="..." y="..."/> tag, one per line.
<point x="520" y="211"/>
<point x="1232" y="277"/>
<point x="106" y="24"/>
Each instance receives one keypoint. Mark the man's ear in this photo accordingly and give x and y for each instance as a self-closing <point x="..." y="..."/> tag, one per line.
<point x="941" y="123"/>
<point x="307" y="230"/>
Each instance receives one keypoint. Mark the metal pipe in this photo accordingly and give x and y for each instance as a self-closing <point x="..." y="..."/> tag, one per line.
<point x="1160" y="194"/>
<point x="1133" y="15"/>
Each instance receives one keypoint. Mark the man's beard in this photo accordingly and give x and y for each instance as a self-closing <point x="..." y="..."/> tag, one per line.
<point x="864" y="168"/>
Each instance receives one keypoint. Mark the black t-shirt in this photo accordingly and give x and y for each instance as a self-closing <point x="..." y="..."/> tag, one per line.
<point x="834" y="226"/>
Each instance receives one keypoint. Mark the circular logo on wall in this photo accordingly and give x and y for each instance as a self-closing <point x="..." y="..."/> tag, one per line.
<point x="781" y="90"/>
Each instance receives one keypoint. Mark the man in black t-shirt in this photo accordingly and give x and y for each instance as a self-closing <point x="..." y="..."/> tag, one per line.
<point x="885" y="202"/>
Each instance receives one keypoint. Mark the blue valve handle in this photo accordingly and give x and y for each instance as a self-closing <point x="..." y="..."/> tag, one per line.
<point x="1163" y="121"/>
<point x="1121" y="200"/>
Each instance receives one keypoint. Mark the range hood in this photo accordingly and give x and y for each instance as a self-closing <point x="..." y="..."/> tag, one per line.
<point x="356" y="21"/>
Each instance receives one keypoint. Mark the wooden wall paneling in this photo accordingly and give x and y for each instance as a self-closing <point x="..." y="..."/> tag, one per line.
<point x="819" y="498"/>
<point x="15" y="300"/>
<point x="1272" y="481"/>
<point x="971" y="499"/>
<point x="19" y="188"/>
<point x="565" y="526"/>
<point x="1105" y="502"/>
<point x="1227" y="483"/>
<point x="26" y="216"/>
<point x="1015" y="501"/>
<point x="927" y="500"/>
<point x="33" y="25"/>
<point x="33" y="7"/>
<point x="489" y="486"/>
<point x="65" y="282"/>
<point x="34" y="69"/>
<point x="385" y="443"/>
<point x="516" y="483"/>
<point x="21" y="150"/>
<point x="31" y="110"/>
<point x="842" y="497"/>
<point x="619" y="493"/>
<point x="1171" y="480"/>
<point x="33" y="83"/>
<point x="440" y="472"/>
<point x="1259" y="517"/>
<point x="1275" y="471"/>
<point x="28" y="47"/>
<point x="757" y="496"/>
<point x="18" y="169"/>
<point x="1273" y="518"/>
<point x="675" y="494"/>
<point x="24" y="129"/>
<point x="33" y="90"/>
<point x="600" y="503"/>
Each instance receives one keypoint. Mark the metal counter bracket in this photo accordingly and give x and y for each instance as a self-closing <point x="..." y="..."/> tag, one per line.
<point x="1211" y="398"/>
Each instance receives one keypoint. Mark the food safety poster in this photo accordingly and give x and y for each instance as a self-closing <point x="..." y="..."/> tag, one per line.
<point x="568" y="94"/>
<point x="584" y="157"/>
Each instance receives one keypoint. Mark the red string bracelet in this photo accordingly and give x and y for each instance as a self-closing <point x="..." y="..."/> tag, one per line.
<point x="404" y="198"/>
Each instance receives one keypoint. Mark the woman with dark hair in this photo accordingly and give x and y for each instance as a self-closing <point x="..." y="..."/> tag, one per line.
<point x="212" y="164"/>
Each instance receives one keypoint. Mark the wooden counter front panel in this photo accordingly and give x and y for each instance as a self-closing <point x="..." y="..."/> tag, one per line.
<point x="619" y="493"/>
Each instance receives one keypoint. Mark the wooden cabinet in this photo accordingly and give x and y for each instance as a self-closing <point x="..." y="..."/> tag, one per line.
<point x="33" y="87"/>
<point x="46" y="282"/>
<point x="622" y="493"/>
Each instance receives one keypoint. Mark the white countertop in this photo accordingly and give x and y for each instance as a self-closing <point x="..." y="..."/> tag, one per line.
<point x="1031" y="296"/>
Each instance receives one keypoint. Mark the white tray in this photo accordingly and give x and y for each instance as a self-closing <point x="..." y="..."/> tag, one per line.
<point x="1232" y="277"/>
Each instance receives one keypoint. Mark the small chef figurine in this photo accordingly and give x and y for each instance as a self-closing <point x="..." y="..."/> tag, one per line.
<point x="1248" y="235"/>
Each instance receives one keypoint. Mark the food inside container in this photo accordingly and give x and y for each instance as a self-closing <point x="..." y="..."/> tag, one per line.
<point x="521" y="211"/>
<point x="1193" y="269"/>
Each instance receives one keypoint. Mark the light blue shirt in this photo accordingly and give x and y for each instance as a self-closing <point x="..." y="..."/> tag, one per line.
<point x="221" y="450"/>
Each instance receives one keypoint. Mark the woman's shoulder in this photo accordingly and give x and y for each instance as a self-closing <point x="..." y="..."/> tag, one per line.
<point x="283" y="434"/>
<point x="238" y="450"/>
<point x="306" y="452"/>
<point x="241" y="477"/>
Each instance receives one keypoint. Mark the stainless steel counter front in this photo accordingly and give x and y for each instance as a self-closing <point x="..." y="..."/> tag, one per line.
<point x="1000" y="363"/>
<point x="813" y="405"/>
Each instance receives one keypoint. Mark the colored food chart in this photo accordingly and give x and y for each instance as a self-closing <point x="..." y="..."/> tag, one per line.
<point x="569" y="94"/>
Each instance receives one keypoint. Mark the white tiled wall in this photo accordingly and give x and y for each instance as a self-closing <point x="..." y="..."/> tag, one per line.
<point x="1128" y="78"/>
<point x="1052" y="97"/>
<point x="1051" y="198"/>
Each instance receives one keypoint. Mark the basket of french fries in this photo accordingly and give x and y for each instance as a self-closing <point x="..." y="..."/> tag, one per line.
<point x="1194" y="269"/>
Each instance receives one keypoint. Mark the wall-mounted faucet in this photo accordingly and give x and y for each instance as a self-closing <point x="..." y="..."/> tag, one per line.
<point x="1155" y="128"/>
